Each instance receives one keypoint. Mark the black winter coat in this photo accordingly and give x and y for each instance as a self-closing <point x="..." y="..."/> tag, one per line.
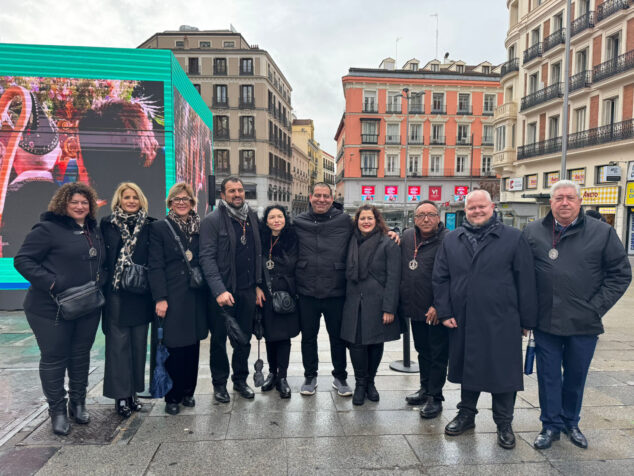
<point x="122" y="308"/>
<point x="56" y="251"/>
<point x="218" y="251"/>
<point x="416" y="293"/>
<point x="185" y="322"/>
<point x="323" y="247"/>
<point x="282" y="276"/>
<point x="492" y="296"/>
<point x="368" y="299"/>
<point x="589" y="276"/>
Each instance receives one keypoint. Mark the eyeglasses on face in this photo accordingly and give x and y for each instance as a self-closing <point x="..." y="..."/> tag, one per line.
<point x="181" y="199"/>
<point x="422" y="216"/>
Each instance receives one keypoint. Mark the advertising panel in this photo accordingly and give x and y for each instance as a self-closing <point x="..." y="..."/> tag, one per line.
<point x="367" y="192"/>
<point x="578" y="176"/>
<point x="630" y="172"/>
<point x="600" y="196"/>
<point x="629" y="194"/>
<point x="551" y="179"/>
<point x="391" y="193"/>
<point x="531" y="182"/>
<point x="515" y="184"/>
<point x="435" y="193"/>
<point x="192" y="146"/>
<point x="59" y="130"/>
<point x="461" y="190"/>
<point x="413" y="193"/>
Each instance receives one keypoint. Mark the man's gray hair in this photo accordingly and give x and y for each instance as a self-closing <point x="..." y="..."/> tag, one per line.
<point x="479" y="190"/>
<point x="566" y="184"/>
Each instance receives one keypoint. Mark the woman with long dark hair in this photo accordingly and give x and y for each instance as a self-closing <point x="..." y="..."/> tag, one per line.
<point x="63" y="251"/>
<point x="127" y="314"/>
<point x="373" y="272"/>
<point x="279" y="247"/>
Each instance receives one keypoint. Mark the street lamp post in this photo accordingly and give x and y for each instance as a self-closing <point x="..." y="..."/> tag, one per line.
<point x="407" y="96"/>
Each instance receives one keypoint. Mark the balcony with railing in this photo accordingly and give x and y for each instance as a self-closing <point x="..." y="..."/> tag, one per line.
<point x="543" y="95"/>
<point x="557" y="38"/>
<point x="464" y="109"/>
<point x="220" y="102"/>
<point x="509" y="67"/>
<point x="368" y="171"/>
<point x="247" y="135"/>
<point x="610" y="7"/>
<point x="439" y="109"/>
<point x="225" y="170"/>
<point x="247" y="168"/>
<point x="488" y="112"/>
<point x="487" y="141"/>
<point x="508" y="110"/>
<point x="369" y="138"/>
<point x="580" y="80"/>
<point x="392" y="172"/>
<point x="602" y="135"/>
<point x="220" y="134"/>
<point x="612" y="67"/>
<point x="463" y="140"/>
<point x="437" y="140"/>
<point x="414" y="173"/>
<point x="582" y="23"/>
<point x="533" y="52"/>
<point x="416" y="109"/>
<point x="544" y="147"/>
<point x="392" y="139"/>
<point x="247" y="103"/>
<point x="415" y="141"/>
<point x="370" y="107"/>
<point x="393" y="108"/>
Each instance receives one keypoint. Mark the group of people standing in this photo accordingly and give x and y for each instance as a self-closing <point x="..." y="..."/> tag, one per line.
<point x="470" y="294"/>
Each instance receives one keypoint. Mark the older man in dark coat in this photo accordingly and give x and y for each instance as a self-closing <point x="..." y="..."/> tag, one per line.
<point x="484" y="292"/>
<point x="582" y="271"/>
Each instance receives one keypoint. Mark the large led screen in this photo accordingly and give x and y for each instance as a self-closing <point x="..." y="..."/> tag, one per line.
<point x="192" y="149"/>
<point x="59" y="130"/>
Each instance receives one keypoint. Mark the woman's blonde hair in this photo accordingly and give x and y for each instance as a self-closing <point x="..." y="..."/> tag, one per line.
<point x="64" y="195"/>
<point x="118" y="195"/>
<point x="179" y="188"/>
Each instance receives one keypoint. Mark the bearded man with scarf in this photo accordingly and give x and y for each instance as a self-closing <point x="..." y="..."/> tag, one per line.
<point x="485" y="293"/>
<point x="373" y="274"/>
<point x="231" y="260"/>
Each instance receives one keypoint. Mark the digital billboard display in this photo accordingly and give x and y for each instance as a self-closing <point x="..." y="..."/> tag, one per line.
<point x="59" y="130"/>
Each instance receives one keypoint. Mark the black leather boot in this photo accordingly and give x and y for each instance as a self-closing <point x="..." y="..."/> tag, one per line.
<point x="283" y="387"/>
<point x="78" y="412"/>
<point x="416" y="398"/>
<point x="360" y="389"/>
<point x="371" y="392"/>
<point x="60" y="424"/>
<point x="121" y="405"/>
<point x="134" y="404"/>
<point x="461" y="423"/>
<point x="269" y="383"/>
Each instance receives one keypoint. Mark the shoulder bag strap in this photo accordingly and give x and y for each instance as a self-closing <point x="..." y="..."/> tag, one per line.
<point x="267" y="279"/>
<point x="180" y="245"/>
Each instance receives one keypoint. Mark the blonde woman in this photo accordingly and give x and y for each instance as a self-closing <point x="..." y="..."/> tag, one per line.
<point x="182" y="308"/>
<point x="126" y="315"/>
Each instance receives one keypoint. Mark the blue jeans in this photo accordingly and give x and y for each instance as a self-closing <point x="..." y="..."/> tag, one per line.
<point x="560" y="396"/>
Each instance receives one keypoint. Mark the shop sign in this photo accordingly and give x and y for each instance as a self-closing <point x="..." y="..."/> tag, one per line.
<point x="552" y="178"/>
<point x="461" y="190"/>
<point x="630" y="172"/>
<point x="413" y="193"/>
<point x="629" y="194"/>
<point x="600" y="196"/>
<point x="607" y="210"/>
<point x="435" y="193"/>
<point x="367" y="192"/>
<point x="391" y="193"/>
<point x="531" y="182"/>
<point x="578" y="176"/>
<point x="515" y="184"/>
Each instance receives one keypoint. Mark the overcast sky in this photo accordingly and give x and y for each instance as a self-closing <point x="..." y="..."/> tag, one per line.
<point x="313" y="42"/>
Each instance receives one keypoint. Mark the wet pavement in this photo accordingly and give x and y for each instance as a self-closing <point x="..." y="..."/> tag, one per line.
<point x="323" y="434"/>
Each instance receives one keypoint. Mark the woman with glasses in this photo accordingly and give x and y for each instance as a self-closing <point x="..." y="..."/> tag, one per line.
<point x="373" y="272"/>
<point x="181" y="307"/>
<point x="62" y="251"/>
<point x="126" y="315"/>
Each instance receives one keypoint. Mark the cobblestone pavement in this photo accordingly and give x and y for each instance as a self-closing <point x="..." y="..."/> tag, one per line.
<point x="323" y="434"/>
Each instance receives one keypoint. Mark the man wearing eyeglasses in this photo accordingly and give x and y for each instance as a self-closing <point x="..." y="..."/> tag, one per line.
<point x="418" y="252"/>
<point x="485" y="294"/>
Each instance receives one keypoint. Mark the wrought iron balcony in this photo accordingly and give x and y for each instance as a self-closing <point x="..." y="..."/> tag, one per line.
<point x="370" y="106"/>
<point x="584" y="22"/>
<point x="223" y="102"/>
<point x="221" y="135"/>
<point x="193" y="71"/>
<point x="416" y="109"/>
<point x="614" y="66"/>
<point x="463" y="140"/>
<point x="246" y="72"/>
<point x="555" y="39"/>
<point x="247" y="135"/>
<point x="393" y="109"/>
<point x="247" y="103"/>
<point x="487" y="141"/>
<point x="580" y="80"/>
<point x="415" y="141"/>
<point x="610" y="7"/>
<point x="551" y="92"/>
<point x="220" y="70"/>
<point x="222" y="170"/>
<point x="489" y="112"/>
<point x="439" y="110"/>
<point x="369" y="138"/>
<point x="533" y="52"/>
<point x="601" y="135"/>
<point x="368" y="171"/>
<point x="510" y="66"/>
<point x="392" y="139"/>
<point x="247" y="169"/>
<point x="549" y="146"/>
<point x="465" y="109"/>
<point x="438" y="140"/>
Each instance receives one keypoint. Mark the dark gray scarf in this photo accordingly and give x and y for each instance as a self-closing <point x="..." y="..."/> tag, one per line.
<point x="241" y="213"/>
<point x="477" y="234"/>
<point x="361" y="253"/>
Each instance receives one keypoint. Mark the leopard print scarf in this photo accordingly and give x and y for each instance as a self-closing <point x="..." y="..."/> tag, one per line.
<point x="124" y="221"/>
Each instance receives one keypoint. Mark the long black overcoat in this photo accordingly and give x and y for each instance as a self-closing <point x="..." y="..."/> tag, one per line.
<point x="492" y="295"/>
<point x="186" y="320"/>
<point x="122" y="308"/>
<point x="368" y="299"/>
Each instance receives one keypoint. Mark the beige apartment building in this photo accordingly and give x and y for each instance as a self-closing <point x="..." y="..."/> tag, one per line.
<point x="304" y="138"/>
<point x="529" y="123"/>
<point x="301" y="181"/>
<point x="251" y="102"/>
<point x="328" y="167"/>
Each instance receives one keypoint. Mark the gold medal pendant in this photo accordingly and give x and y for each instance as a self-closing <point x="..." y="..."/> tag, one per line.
<point x="189" y="255"/>
<point x="413" y="264"/>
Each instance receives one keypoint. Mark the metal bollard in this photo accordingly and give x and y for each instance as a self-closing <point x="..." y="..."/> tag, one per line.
<point x="406" y="365"/>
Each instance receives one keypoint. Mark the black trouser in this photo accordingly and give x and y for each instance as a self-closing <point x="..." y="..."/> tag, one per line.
<point x="365" y="361"/>
<point x="503" y="405"/>
<point x="126" y="348"/>
<point x="64" y="345"/>
<point x="432" y="345"/>
<point x="182" y="367"/>
<point x="244" y="312"/>
<point x="278" y="353"/>
<point x="310" y="311"/>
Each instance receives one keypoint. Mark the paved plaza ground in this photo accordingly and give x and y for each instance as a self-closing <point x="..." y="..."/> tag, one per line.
<point x="323" y="434"/>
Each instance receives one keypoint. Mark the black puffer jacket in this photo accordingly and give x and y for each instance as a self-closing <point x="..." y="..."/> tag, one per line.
<point x="323" y="247"/>
<point x="416" y="292"/>
<point x="588" y="277"/>
<point x="56" y="251"/>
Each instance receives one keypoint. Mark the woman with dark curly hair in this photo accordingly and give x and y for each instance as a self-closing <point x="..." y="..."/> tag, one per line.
<point x="63" y="251"/>
<point x="373" y="272"/>
<point x="279" y="247"/>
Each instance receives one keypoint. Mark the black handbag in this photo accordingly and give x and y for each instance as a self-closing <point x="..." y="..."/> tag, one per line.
<point x="282" y="301"/>
<point x="134" y="279"/>
<point x="78" y="301"/>
<point x="196" y="278"/>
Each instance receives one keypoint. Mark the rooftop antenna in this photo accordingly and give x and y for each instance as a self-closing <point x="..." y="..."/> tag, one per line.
<point x="232" y="28"/>
<point x="396" y="53"/>
<point x="436" y="15"/>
